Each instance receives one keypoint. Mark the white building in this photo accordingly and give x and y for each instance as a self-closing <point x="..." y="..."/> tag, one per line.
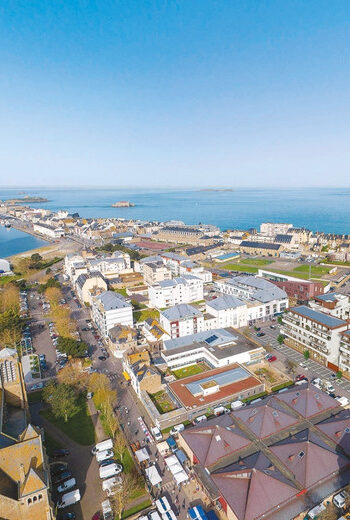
<point x="173" y="262"/>
<point x="228" y="311"/>
<point x="5" y="266"/>
<point x="109" y="309"/>
<point x="87" y="285"/>
<point x="274" y="228"/>
<point x="185" y="289"/>
<point x="333" y="303"/>
<point x="111" y="266"/>
<point x="263" y="299"/>
<point x="189" y="267"/>
<point x="71" y="261"/>
<point x="182" y="320"/>
<point x="315" y="331"/>
<point x="48" y="231"/>
<point x="218" y="348"/>
<point x="154" y="272"/>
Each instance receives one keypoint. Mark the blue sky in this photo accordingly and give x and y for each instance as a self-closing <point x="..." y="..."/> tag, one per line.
<point x="175" y="93"/>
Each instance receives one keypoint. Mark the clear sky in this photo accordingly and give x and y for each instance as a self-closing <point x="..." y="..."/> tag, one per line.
<point x="175" y="93"/>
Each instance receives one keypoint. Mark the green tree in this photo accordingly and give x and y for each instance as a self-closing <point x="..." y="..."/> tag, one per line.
<point x="280" y="339"/>
<point x="306" y="354"/>
<point x="72" y="347"/>
<point x="279" y="319"/>
<point x="62" y="400"/>
<point x="339" y="374"/>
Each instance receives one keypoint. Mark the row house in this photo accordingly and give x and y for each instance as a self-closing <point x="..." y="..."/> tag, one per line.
<point x="182" y="320"/>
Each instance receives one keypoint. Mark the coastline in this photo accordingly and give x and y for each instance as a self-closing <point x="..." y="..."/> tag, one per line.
<point x="29" y="251"/>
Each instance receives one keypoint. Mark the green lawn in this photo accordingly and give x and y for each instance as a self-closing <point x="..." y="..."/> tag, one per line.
<point x="121" y="291"/>
<point x="142" y="315"/>
<point x="191" y="370"/>
<point x="4" y="280"/>
<point x="315" y="269"/>
<point x="136" y="509"/>
<point x="256" y="261"/>
<point x="238" y="267"/>
<point x="79" y="428"/>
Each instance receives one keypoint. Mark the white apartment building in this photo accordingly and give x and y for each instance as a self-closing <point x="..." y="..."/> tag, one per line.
<point x="182" y="320"/>
<point x="185" y="289"/>
<point x="315" y="331"/>
<point x="344" y="355"/>
<point x="263" y="299"/>
<point x="333" y="303"/>
<point x="173" y="262"/>
<point x="228" y="311"/>
<point x="274" y="228"/>
<point x="88" y="284"/>
<point x="111" y="267"/>
<point x="189" y="267"/>
<point x="48" y="231"/>
<point x="155" y="272"/>
<point x="140" y="264"/>
<point x="110" y="309"/>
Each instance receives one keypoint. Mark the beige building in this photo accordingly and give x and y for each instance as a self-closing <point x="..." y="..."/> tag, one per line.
<point x="24" y="470"/>
<point x="122" y="339"/>
<point x="88" y="285"/>
<point x="155" y="272"/>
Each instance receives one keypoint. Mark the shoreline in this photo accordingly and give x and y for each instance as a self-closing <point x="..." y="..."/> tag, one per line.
<point x="31" y="251"/>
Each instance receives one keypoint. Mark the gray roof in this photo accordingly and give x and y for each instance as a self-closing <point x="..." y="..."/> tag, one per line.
<point x="177" y="281"/>
<point x="82" y="278"/>
<point x="151" y="259"/>
<point x="173" y="256"/>
<point x="260" y="245"/>
<point x="180" y="312"/>
<point x="224" y="302"/>
<point x="223" y="337"/>
<point x="319" y="317"/>
<point x="112" y="300"/>
<point x="261" y="289"/>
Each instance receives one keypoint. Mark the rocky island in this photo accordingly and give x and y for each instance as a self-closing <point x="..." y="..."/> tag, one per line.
<point x="123" y="204"/>
<point x="26" y="199"/>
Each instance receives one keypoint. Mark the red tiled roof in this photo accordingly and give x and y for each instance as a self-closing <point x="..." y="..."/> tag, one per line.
<point x="308" y="401"/>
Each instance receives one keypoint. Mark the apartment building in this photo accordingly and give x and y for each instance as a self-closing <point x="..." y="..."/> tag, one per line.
<point x="173" y="261"/>
<point x="189" y="267"/>
<point x="24" y="467"/>
<point x="184" y="289"/>
<point x="110" y="309"/>
<point x="181" y="320"/>
<point x="344" y="355"/>
<point x="333" y="303"/>
<point x="155" y="272"/>
<point x="262" y="298"/>
<point x="228" y="311"/>
<point x="111" y="267"/>
<point x="274" y="228"/>
<point x="315" y="331"/>
<point x="183" y="235"/>
<point x="253" y="247"/>
<point x="88" y="284"/>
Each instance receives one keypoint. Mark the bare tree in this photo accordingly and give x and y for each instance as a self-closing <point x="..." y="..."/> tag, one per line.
<point x="120" y="499"/>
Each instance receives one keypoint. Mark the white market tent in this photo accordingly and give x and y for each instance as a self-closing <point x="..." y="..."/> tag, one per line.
<point x="153" y="475"/>
<point x="181" y="477"/>
<point x="171" y="461"/>
<point x="163" y="447"/>
<point x="142" y="454"/>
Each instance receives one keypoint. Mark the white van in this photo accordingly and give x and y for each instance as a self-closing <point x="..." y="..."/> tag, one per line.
<point x="177" y="429"/>
<point x="69" y="499"/>
<point x="109" y="471"/>
<point x="68" y="484"/>
<point x="169" y="515"/>
<point x="236" y="405"/>
<point x="111" y="485"/>
<point x="201" y="418"/>
<point x="220" y="410"/>
<point x="344" y="401"/>
<point x="154" y="515"/>
<point x="104" y="455"/>
<point x="101" y="446"/>
<point x="162" y="504"/>
<point x="157" y="434"/>
<point x="339" y="500"/>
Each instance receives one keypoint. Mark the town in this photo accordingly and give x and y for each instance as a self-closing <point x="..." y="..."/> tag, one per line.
<point x="156" y="370"/>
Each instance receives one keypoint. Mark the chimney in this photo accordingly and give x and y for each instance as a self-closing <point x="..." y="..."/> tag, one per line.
<point x="22" y="474"/>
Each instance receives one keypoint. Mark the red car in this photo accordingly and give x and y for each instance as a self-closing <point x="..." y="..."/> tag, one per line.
<point x="300" y="377"/>
<point x="272" y="358"/>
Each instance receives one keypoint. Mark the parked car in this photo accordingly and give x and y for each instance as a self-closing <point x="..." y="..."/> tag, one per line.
<point x="107" y="462"/>
<point x="272" y="326"/>
<point x="60" y="453"/>
<point x="271" y="359"/>
<point x="300" y="377"/>
<point x="260" y="334"/>
<point x="65" y="475"/>
<point x="68" y="516"/>
<point x="102" y="358"/>
<point x="58" y="467"/>
<point x="67" y="484"/>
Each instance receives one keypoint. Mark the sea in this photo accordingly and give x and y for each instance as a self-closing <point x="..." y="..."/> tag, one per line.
<point x="319" y="209"/>
<point x="13" y="242"/>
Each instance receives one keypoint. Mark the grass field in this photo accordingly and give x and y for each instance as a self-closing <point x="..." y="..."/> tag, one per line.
<point x="143" y="314"/>
<point x="315" y="269"/>
<point x="241" y="268"/>
<point x="256" y="261"/>
<point x="136" y="509"/>
<point x="79" y="428"/>
<point x="162" y="402"/>
<point x="191" y="370"/>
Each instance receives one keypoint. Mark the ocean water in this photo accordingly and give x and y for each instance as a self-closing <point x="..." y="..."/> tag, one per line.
<point x="317" y="209"/>
<point x="13" y="241"/>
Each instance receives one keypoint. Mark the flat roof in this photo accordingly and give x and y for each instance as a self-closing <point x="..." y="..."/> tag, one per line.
<point x="221" y="379"/>
<point x="241" y="381"/>
<point x="318" y="316"/>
